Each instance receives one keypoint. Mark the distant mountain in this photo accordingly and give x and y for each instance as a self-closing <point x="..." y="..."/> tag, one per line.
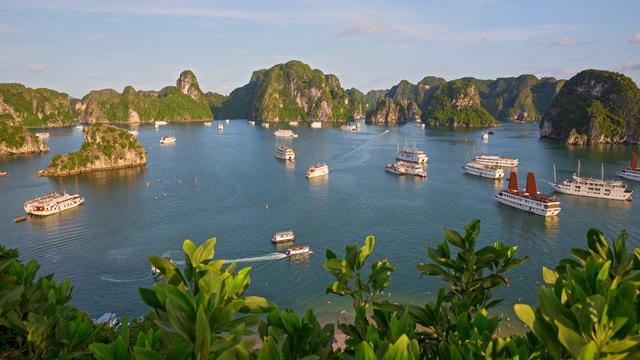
<point x="183" y="102"/>
<point x="457" y="104"/>
<point x="285" y="92"/>
<point x="593" y="107"/>
<point x="34" y="107"/>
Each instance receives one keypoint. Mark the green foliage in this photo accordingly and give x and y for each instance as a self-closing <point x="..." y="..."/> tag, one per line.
<point x="592" y="309"/>
<point x="12" y="135"/>
<point x="37" y="107"/>
<point x="457" y="104"/>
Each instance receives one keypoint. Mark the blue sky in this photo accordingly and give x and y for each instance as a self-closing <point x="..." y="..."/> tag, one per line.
<point x="77" y="46"/>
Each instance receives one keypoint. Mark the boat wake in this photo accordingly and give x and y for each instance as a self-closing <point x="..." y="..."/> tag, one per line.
<point x="111" y="278"/>
<point x="272" y="256"/>
<point x="364" y="153"/>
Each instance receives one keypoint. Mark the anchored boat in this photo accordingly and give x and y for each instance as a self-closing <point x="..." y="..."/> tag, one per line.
<point x="348" y="127"/>
<point x="482" y="170"/>
<point x="592" y="187"/>
<point x="43" y="135"/>
<point x="316" y="125"/>
<point x="412" y="155"/>
<point x="207" y="123"/>
<point x="160" y="123"/>
<point x="316" y="170"/>
<point x="494" y="160"/>
<point x="394" y="169"/>
<point x="298" y="250"/>
<point x="633" y="171"/>
<point x="285" y="153"/>
<point x="283" y="236"/>
<point x="285" y="133"/>
<point x="165" y="140"/>
<point x="52" y="204"/>
<point x="530" y="199"/>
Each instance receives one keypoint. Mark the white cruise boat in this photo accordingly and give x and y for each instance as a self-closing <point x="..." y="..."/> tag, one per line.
<point x="155" y="271"/>
<point x="491" y="172"/>
<point x="316" y="170"/>
<point x="592" y="187"/>
<point x="265" y="125"/>
<point x="494" y="160"/>
<point x="316" y="125"/>
<point x="52" y="204"/>
<point x="285" y="133"/>
<point x="298" y="250"/>
<point x="283" y="236"/>
<point x="530" y="199"/>
<point x="633" y="171"/>
<point x="252" y="123"/>
<point x="410" y="168"/>
<point x="485" y="137"/>
<point x="348" y="127"/>
<point x="133" y="132"/>
<point x="3" y="173"/>
<point x="394" y="169"/>
<point x="412" y="155"/>
<point x="160" y="123"/>
<point x="165" y="140"/>
<point x="207" y="123"/>
<point x="285" y="153"/>
<point x="220" y="127"/>
<point x="293" y="123"/>
<point x="42" y="135"/>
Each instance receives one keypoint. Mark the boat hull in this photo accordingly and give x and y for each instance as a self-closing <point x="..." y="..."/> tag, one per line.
<point x="510" y="201"/>
<point x="631" y="175"/>
<point x="486" y="173"/>
<point x="59" y="209"/>
<point x="620" y="196"/>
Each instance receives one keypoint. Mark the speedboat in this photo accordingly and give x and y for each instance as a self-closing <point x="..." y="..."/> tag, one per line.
<point x="298" y="250"/>
<point x="165" y="140"/>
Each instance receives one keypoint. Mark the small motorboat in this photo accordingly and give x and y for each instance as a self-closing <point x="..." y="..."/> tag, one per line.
<point x="108" y="319"/>
<point x="220" y="127"/>
<point x="165" y="140"/>
<point x="155" y="271"/>
<point x="490" y="131"/>
<point x="207" y="123"/>
<point x="20" y="219"/>
<point x="4" y="173"/>
<point x="298" y="250"/>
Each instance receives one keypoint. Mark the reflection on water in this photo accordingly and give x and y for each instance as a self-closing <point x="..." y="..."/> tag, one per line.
<point x="299" y="258"/>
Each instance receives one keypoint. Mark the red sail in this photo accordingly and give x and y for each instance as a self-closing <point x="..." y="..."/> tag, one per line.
<point x="513" y="181"/>
<point x="634" y="160"/>
<point x="531" y="184"/>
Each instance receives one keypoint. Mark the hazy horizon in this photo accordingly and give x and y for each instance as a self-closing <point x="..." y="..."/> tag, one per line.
<point x="77" y="46"/>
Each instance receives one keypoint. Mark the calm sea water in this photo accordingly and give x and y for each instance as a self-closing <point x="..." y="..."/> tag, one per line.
<point x="210" y="184"/>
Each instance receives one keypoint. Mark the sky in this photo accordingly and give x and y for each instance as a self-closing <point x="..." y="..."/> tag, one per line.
<point x="76" y="46"/>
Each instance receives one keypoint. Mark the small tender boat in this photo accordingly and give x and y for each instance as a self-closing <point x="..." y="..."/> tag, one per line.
<point x="20" y="219"/>
<point x="220" y="127"/>
<point x="490" y="131"/>
<point x="530" y="199"/>
<point x="252" y="123"/>
<point x="592" y="187"/>
<point x="161" y="123"/>
<point x="412" y="155"/>
<point x="298" y="250"/>
<point x="482" y="170"/>
<point x="52" y="203"/>
<point x="293" y="123"/>
<point x="133" y="132"/>
<point x="283" y="236"/>
<point x="410" y="168"/>
<point x="485" y="136"/>
<point x="155" y="271"/>
<point x="633" y="171"/>
<point x="316" y="125"/>
<point x="285" y="153"/>
<point x="165" y="140"/>
<point x="493" y="160"/>
<point x="42" y="135"/>
<point x="4" y="173"/>
<point x="227" y="121"/>
<point x="348" y="127"/>
<point x="109" y="319"/>
<point x="394" y="169"/>
<point x="316" y="170"/>
<point x="265" y="125"/>
<point x="285" y="133"/>
<point x="207" y="123"/>
<point x="79" y="128"/>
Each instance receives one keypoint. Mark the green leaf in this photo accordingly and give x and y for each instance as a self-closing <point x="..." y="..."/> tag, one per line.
<point x="146" y="354"/>
<point x="269" y="350"/>
<point x="364" y="352"/>
<point x="257" y="305"/>
<point x="365" y="250"/>
<point x="203" y="335"/>
<point x="570" y="339"/>
<point x="525" y="313"/>
<point x="549" y="276"/>
<point x="101" y="351"/>
<point x="453" y="238"/>
<point x="589" y="352"/>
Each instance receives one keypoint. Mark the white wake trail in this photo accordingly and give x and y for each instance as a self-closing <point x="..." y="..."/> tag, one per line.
<point x="272" y="256"/>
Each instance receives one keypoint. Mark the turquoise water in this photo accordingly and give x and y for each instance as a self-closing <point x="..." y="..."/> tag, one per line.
<point x="213" y="184"/>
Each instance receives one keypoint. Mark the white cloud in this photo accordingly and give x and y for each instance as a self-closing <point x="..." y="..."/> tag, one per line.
<point x="366" y="28"/>
<point x="36" y="67"/>
<point x="635" y="39"/>
<point x="631" y="66"/>
<point x="564" y="42"/>
<point x="8" y="30"/>
<point x="96" y="37"/>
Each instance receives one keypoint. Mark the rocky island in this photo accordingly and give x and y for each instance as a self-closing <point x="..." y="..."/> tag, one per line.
<point x="105" y="147"/>
<point x="15" y="139"/>
<point x="34" y="107"/>
<point x="594" y="107"/>
<point x="457" y="104"/>
<point x="183" y="102"/>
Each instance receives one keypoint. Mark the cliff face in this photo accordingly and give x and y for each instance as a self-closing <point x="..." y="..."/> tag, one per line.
<point x="183" y="102"/>
<point x="34" y="107"/>
<point x="291" y="91"/>
<point x="357" y="104"/>
<point x="457" y="104"/>
<point x="105" y="147"/>
<point x="392" y="112"/>
<point x="15" y="139"/>
<point x="594" y="107"/>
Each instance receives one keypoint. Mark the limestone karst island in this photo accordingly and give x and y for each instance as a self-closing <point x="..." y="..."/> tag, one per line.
<point x="319" y="180"/>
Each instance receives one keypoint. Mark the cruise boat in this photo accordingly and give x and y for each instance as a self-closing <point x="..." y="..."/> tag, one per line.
<point x="109" y="319"/>
<point x="485" y="137"/>
<point x="412" y="155"/>
<point x="410" y="168"/>
<point x="394" y="169"/>
<point x="4" y="173"/>
<point x="316" y="124"/>
<point x="283" y="236"/>
<point x="316" y="170"/>
<point x="265" y="125"/>
<point x="490" y="132"/>
<point x="161" y="123"/>
<point x="155" y="271"/>
<point x="293" y="123"/>
<point x="220" y="127"/>
<point x="482" y="170"/>
<point x="227" y="121"/>
<point x="633" y="171"/>
<point x="167" y="140"/>
<point x="252" y="123"/>
<point x="493" y="160"/>
<point x="133" y="132"/>
<point x="52" y="204"/>
<point x="79" y="128"/>
<point x="530" y="199"/>
<point x="207" y="123"/>
<point x="298" y="250"/>
<point x="348" y="127"/>
<point x="285" y="133"/>
<point x="592" y="187"/>
<point x="42" y="135"/>
<point x="285" y="153"/>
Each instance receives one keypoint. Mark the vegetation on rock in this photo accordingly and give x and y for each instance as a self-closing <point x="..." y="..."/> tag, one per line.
<point x="16" y="139"/>
<point x="457" y="104"/>
<point x="34" y="107"/>
<point x="594" y="106"/>
<point x="105" y="147"/>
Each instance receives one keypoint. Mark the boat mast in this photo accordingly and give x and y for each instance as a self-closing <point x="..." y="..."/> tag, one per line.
<point x="555" y="181"/>
<point x="602" y="170"/>
<point x="578" y="167"/>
